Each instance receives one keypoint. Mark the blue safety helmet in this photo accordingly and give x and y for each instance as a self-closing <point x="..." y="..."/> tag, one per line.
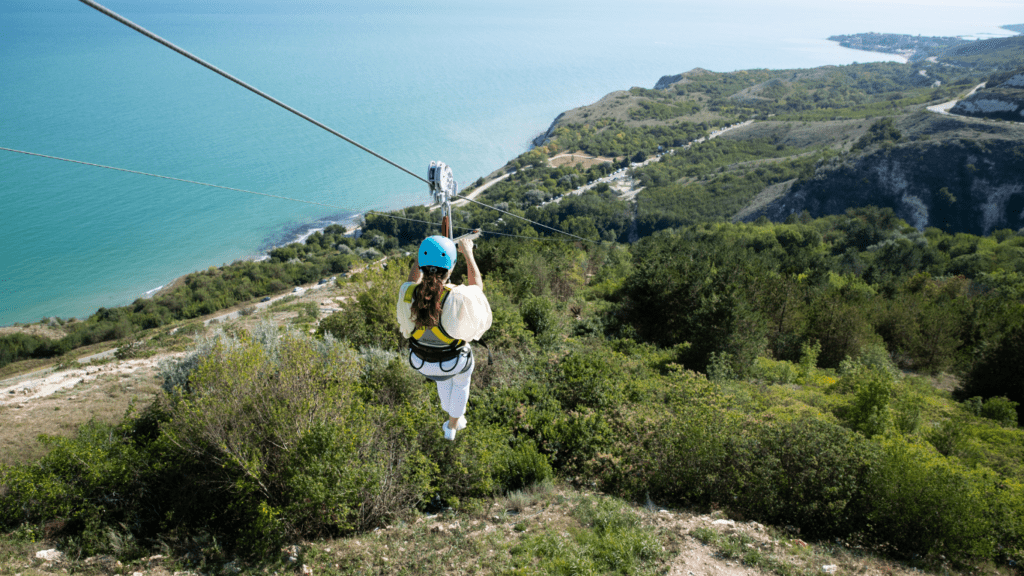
<point x="438" y="251"/>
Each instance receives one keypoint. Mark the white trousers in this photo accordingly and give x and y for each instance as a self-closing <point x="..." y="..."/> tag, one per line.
<point x="452" y="379"/>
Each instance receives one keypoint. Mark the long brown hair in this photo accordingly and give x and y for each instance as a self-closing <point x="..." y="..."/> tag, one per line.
<point x="426" y="306"/>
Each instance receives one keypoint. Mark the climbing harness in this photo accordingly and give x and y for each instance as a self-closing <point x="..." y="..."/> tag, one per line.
<point x="433" y="344"/>
<point x="450" y="372"/>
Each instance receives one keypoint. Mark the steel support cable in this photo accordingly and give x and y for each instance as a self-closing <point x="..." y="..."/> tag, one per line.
<point x="194" y="182"/>
<point x="385" y="214"/>
<point x="106" y="11"/>
<point x="521" y="236"/>
<point x="467" y="229"/>
<point x="172" y="178"/>
<point x="526" y="219"/>
<point x="200" y="61"/>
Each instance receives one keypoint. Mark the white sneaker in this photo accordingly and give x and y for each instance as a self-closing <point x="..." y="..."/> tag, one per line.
<point x="449" y="434"/>
<point x="461" y="424"/>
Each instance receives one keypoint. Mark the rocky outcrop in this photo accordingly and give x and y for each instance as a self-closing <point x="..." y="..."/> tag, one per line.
<point x="956" y="186"/>
<point x="666" y="81"/>
<point x="1005" y="101"/>
<point x="1015" y="81"/>
<point x="545" y="136"/>
<point x="983" y="106"/>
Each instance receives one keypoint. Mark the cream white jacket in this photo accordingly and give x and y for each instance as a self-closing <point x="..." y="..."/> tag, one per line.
<point x="466" y="314"/>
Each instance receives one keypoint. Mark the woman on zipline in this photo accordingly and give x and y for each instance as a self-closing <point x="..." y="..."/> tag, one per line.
<point x="440" y="320"/>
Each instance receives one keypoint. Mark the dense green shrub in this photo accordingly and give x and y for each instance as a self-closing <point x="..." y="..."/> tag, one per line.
<point x="531" y="268"/>
<point x="881" y="132"/>
<point x="935" y="506"/>
<point x="388" y="380"/>
<point x="369" y="320"/>
<point x="473" y="466"/>
<point x="670" y="450"/>
<point x="175" y="372"/>
<point x="18" y="346"/>
<point x="541" y="318"/>
<point x="88" y="489"/>
<point x="872" y="389"/>
<point x="266" y="437"/>
<point x="837" y="320"/>
<point x="275" y="423"/>
<point x="508" y="330"/>
<point x="796" y="470"/>
<point x="1000" y="409"/>
<point x="525" y="466"/>
<point x="682" y="290"/>
<point x="792" y="469"/>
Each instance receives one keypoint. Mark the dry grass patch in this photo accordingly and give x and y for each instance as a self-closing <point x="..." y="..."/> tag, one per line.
<point x="42" y="330"/>
<point x="800" y="134"/>
<point x="104" y="393"/>
<point x="585" y="160"/>
<point x="516" y="534"/>
<point x="543" y="530"/>
<point x="945" y="382"/>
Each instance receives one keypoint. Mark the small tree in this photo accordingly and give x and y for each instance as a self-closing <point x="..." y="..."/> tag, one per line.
<point x="872" y="387"/>
<point x="369" y="319"/>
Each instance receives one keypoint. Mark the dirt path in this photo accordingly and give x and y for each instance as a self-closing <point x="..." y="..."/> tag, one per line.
<point x="47" y="381"/>
<point x="623" y="183"/>
<point x="465" y="199"/>
<point x="945" y="107"/>
<point x="33" y="387"/>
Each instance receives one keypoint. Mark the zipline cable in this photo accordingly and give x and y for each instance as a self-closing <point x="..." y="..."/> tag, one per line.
<point x="527" y="219"/>
<point x="385" y="214"/>
<point x="252" y="89"/>
<point x="482" y="231"/>
<point x="175" y="179"/>
<point x="106" y="11"/>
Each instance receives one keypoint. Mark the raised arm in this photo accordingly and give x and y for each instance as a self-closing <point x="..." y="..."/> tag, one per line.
<point x="473" y="276"/>
<point x="414" y="272"/>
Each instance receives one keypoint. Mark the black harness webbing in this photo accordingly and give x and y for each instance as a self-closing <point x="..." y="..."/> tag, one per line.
<point x="470" y="363"/>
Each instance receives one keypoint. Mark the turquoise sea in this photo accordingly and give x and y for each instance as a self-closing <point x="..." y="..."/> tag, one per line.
<point x="466" y="82"/>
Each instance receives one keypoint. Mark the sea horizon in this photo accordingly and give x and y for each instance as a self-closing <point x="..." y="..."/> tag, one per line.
<point x="86" y="88"/>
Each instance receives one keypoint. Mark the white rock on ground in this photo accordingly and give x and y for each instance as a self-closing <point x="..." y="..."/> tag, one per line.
<point x="51" y="555"/>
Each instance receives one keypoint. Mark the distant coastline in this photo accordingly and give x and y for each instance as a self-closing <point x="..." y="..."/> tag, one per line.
<point x="291" y="235"/>
<point x="909" y="47"/>
<point x="300" y="232"/>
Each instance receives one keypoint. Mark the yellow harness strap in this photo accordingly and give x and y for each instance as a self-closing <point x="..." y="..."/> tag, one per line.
<point x="436" y="330"/>
<point x="418" y="333"/>
<point x="409" y="294"/>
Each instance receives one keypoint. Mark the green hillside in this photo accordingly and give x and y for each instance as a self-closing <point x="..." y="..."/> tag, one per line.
<point x="760" y="369"/>
<point x="994" y="54"/>
<point x="795" y="297"/>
